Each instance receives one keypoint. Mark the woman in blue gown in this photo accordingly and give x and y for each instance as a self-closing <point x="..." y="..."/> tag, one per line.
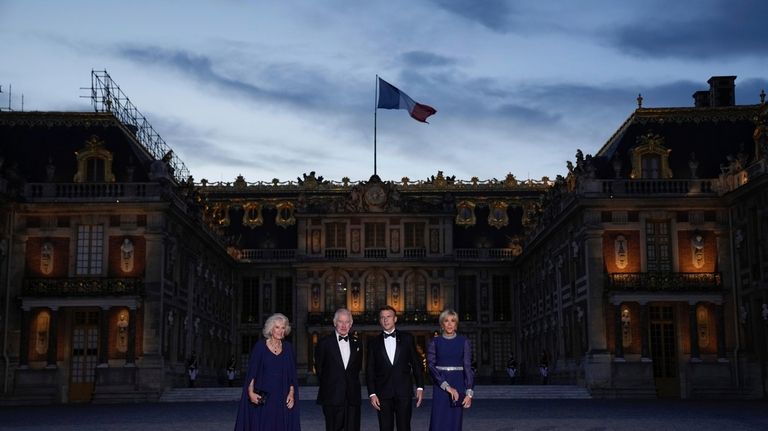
<point x="269" y="401"/>
<point x="449" y="358"/>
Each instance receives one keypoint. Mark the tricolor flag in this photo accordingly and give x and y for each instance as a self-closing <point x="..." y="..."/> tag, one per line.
<point x="392" y="98"/>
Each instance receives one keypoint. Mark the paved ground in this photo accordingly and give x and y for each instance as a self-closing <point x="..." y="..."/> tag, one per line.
<point x="485" y="415"/>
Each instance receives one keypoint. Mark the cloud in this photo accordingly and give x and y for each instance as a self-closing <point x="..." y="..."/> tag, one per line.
<point x="721" y="29"/>
<point x="201" y="68"/>
<point x="493" y="14"/>
<point x="425" y="59"/>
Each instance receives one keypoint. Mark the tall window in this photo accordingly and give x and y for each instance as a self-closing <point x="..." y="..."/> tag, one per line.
<point x="416" y="293"/>
<point x="414" y="235"/>
<point x="250" y="300"/>
<point x="335" y="292"/>
<point x="502" y="298"/>
<point x="375" y="292"/>
<point x="651" y="166"/>
<point x="90" y="249"/>
<point x="336" y="235"/>
<point x="657" y="246"/>
<point x="374" y="235"/>
<point x="284" y="296"/>
<point x="467" y="297"/>
<point x="95" y="167"/>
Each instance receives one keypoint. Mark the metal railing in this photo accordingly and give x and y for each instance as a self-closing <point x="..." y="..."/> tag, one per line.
<point x="255" y="254"/>
<point x="106" y="96"/>
<point x="657" y="187"/>
<point x="665" y="281"/>
<point x="484" y="254"/>
<point x="58" y="287"/>
<point x="372" y="317"/>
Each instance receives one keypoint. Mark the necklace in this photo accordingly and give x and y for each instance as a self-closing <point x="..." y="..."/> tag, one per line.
<point x="275" y="348"/>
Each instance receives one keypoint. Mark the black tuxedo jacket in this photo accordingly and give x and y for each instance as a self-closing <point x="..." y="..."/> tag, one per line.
<point x="338" y="386"/>
<point x="393" y="379"/>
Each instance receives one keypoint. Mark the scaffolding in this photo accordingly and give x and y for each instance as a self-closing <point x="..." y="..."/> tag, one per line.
<point x="106" y="96"/>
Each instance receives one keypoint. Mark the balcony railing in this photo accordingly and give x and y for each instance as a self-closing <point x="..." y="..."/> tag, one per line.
<point x="267" y="254"/>
<point x="665" y="282"/>
<point x="414" y="253"/>
<point x="372" y="317"/>
<point x="656" y="187"/>
<point x="335" y="253"/>
<point x="59" y="287"/>
<point x="484" y="254"/>
<point x="90" y="191"/>
<point x="375" y="253"/>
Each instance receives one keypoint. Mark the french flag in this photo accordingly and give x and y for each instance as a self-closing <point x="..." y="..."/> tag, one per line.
<point x="392" y="98"/>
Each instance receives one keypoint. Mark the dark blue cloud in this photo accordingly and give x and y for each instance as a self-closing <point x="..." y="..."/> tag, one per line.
<point x="720" y="29"/>
<point x="201" y="68"/>
<point x="493" y="14"/>
<point x="425" y="59"/>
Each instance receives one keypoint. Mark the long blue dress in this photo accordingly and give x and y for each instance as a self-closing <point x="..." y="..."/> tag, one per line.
<point x="449" y="352"/>
<point x="274" y="374"/>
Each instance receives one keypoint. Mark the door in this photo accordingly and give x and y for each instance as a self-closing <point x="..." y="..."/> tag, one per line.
<point x="664" y="351"/>
<point x="85" y="355"/>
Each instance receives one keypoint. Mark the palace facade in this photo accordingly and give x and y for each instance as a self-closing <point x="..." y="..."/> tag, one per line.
<point x="640" y="273"/>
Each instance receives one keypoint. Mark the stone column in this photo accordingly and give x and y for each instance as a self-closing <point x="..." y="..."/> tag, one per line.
<point x="720" y="322"/>
<point x="619" y="340"/>
<point x="52" y="338"/>
<point x="593" y="247"/>
<point x="103" y="337"/>
<point x="130" y="354"/>
<point x="24" y="338"/>
<point x="694" y="332"/>
<point x="645" y="351"/>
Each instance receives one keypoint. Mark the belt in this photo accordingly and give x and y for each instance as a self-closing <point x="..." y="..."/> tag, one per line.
<point x="450" y="368"/>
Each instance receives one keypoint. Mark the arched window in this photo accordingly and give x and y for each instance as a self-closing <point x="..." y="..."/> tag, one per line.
<point x="416" y="292"/>
<point x="375" y="291"/>
<point x="335" y="292"/>
<point x="94" y="163"/>
<point x="650" y="158"/>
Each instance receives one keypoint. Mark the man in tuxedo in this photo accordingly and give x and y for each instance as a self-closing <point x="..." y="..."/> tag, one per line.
<point x="338" y="361"/>
<point x="393" y="366"/>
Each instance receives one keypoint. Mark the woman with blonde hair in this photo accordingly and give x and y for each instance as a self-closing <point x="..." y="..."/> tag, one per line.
<point x="269" y="401"/>
<point x="449" y="359"/>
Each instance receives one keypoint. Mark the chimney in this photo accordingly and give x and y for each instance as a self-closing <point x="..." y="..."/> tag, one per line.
<point x="722" y="91"/>
<point x="701" y="99"/>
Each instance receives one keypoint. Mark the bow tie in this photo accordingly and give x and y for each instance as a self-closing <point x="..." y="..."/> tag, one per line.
<point x="389" y="335"/>
<point x="344" y="338"/>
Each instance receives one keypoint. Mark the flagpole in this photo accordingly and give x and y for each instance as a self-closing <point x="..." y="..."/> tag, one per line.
<point x="375" y="110"/>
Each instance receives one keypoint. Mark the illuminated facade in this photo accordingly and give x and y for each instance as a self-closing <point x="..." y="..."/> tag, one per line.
<point x="646" y="273"/>
<point x="640" y="273"/>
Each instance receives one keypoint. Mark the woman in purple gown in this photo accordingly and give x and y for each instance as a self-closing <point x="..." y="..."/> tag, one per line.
<point x="270" y="392"/>
<point x="449" y="358"/>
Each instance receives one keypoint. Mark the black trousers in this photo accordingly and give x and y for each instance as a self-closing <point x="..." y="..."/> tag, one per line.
<point x="342" y="418"/>
<point x="395" y="411"/>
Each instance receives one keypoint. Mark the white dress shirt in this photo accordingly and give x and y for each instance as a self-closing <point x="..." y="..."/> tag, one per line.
<point x="390" y="343"/>
<point x="344" y="348"/>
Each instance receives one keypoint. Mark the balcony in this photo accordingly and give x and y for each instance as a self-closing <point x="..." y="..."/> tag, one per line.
<point x="61" y="287"/>
<point x="414" y="253"/>
<point x="681" y="187"/>
<point x="664" y="282"/>
<point x="372" y="317"/>
<point x="486" y="254"/>
<point x="375" y="253"/>
<point x="267" y="254"/>
<point x="90" y="191"/>
<point x="335" y="253"/>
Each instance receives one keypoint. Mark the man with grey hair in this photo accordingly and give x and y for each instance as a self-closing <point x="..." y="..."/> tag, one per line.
<point x="338" y="361"/>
